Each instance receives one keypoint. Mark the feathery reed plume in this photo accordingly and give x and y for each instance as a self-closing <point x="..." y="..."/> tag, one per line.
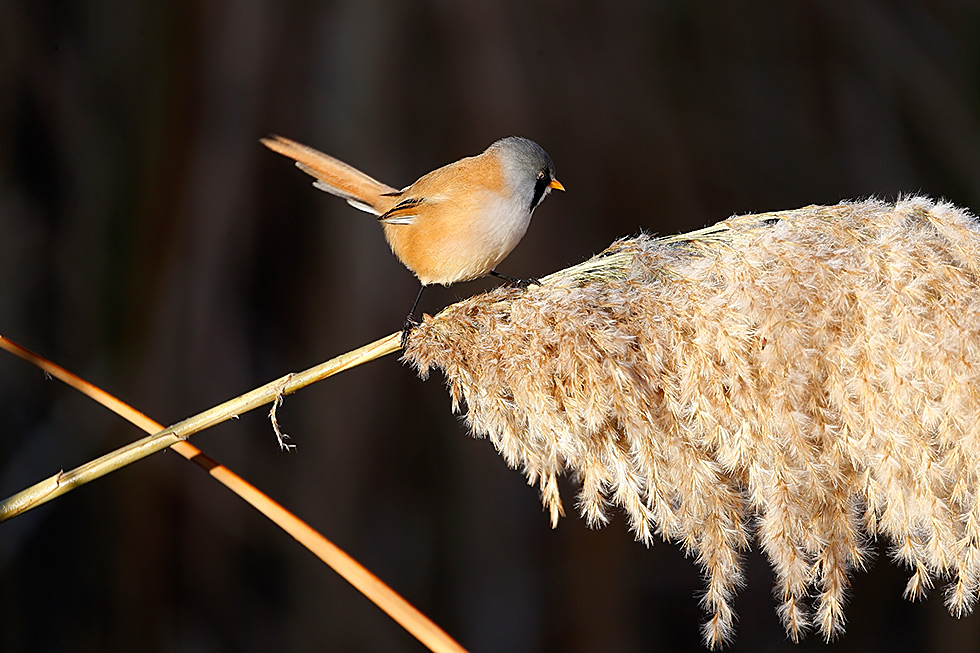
<point x="808" y="379"/>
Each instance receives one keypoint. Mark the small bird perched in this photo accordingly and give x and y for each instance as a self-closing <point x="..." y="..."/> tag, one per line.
<point x="454" y="224"/>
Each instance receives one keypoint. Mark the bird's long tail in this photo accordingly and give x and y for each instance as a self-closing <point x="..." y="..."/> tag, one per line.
<point x="336" y="177"/>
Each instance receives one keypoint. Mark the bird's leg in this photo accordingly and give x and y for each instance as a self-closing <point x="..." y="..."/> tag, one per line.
<point x="410" y="321"/>
<point x="514" y="281"/>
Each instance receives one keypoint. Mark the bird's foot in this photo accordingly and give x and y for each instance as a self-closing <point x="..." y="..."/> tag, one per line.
<point x="524" y="283"/>
<point x="410" y="323"/>
<point x="514" y="281"/>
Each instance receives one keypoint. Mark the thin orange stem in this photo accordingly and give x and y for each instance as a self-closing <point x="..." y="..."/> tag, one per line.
<point x="403" y="612"/>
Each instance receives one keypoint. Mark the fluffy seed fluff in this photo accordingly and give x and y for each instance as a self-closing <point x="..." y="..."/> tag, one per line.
<point x="806" y="379"/>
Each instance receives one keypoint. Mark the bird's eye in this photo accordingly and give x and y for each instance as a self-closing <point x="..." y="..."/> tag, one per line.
<point x="541" y="175"/>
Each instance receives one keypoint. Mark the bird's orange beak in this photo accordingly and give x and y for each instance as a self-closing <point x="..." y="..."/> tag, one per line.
<point x="556" y="185"/>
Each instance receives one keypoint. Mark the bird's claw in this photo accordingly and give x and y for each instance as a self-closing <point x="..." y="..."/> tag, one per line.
<point x="410" y="323"/>
<point x="514" y="281"/>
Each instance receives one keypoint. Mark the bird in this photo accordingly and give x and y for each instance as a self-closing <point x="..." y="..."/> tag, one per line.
<point x="454" y="224"/>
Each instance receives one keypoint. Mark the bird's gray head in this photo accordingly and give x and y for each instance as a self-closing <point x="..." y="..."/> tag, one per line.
<point x="528" y="169"/>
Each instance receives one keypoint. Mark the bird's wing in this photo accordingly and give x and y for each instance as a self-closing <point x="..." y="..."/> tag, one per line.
<point x="404" y="212"/>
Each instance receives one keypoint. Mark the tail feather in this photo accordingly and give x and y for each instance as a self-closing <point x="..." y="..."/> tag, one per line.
<point x="336" y="177"/>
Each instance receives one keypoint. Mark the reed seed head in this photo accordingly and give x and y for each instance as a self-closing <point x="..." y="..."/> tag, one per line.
<point x="804" y="379"/>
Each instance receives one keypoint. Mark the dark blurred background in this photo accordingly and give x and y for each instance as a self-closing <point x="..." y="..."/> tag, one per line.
<point x="151" y="244"/>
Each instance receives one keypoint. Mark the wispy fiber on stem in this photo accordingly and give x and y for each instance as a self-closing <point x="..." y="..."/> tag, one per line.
<point x="804" y="379"/>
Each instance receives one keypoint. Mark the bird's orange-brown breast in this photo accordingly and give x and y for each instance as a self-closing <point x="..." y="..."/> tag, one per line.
<point x="452" y="237"/>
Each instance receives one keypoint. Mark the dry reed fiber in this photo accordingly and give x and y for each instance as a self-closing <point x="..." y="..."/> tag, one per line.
<point x="807" y="379"/>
